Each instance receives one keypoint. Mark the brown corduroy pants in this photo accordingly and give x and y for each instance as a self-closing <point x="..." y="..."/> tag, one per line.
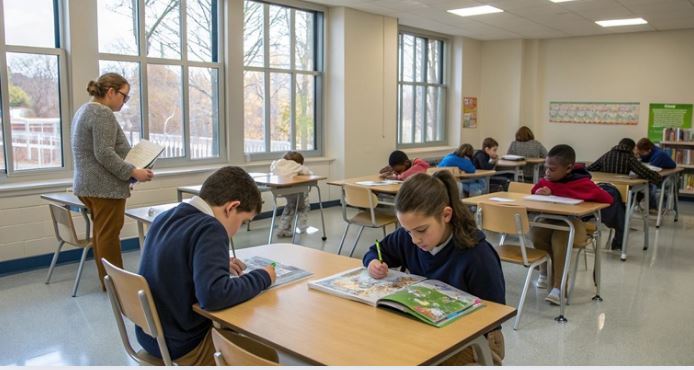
<point x="108" y="216"/>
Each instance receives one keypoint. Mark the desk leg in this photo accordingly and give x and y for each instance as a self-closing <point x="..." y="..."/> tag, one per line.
<point x="567" y="266"/>
<point x="322" y="217"/>
<point x="484" y="353"/>
<point x="272" y="223"/>
<point x="141" y="233"/>
<point x="536" y="173"/>
<point x="627" y="219"/>
<point x="597" y="268"/>
<point x="516" y="174"/>
<point x="660" y="202"/>
<point x="179" y="195"/>
<point x="647" y="195"/>
<point x="299" y="200"/>
<point x="676" y="196"/>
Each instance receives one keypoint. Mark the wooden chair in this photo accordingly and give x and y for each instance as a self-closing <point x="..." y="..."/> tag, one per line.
<point x="364" y="199"/>
<point x="513" y="220"/>
<point x="66" y="233"/>
<point x="230" y="351"/>
<point x="130" y="297"/>
<point x="520" y="187"/>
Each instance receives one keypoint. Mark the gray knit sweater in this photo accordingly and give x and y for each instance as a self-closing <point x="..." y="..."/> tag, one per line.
<point x="98" y="148"/>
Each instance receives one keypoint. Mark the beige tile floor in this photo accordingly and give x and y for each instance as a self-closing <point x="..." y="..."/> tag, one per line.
<point x="647" y="317"/>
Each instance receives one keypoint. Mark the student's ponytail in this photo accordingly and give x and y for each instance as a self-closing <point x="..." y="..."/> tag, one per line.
<point x="428" y="195"/>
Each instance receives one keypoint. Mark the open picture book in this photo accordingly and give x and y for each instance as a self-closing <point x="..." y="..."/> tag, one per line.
<point x="285" y="273"/>
<point x="144" y="153"/>
<point x="431" y="301"/>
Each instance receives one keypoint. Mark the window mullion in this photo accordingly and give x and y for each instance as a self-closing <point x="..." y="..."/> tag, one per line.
<point x="185" y="80"/>
<point x="266" y="64"/>
<point x="292" y="79"/>
<point x="142" y="61"/>
<point x="4" y="92"/>
<point x="425" y="79"/>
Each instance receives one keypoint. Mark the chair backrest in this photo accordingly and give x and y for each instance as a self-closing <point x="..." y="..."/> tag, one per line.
<point x="359" y="196"/>
<point x="623" y="191"/>
<point x="520" y="187"/>
<point x="64" y="226"/>
<point x="229" y="353"/>
<point x="507" y="219"/>
<point x="131" y="297"/>
<point x="455" y="171"/>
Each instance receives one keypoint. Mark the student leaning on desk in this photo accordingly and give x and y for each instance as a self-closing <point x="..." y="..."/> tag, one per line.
<point x="186" y="260"/>
<point x="400" y="167"/>
<point x="439" y="240"/>
<point x="565" y="179"/>
<point x="102" y="178"/>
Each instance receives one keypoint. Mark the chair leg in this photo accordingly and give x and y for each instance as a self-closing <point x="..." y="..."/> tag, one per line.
<point x="574" y="270"/>
<point x="585" y="260"/>
<point x="521" y="302"/>
<point x="356" y="241"/>
<point x="342" y="241"/>
<point x="53" y="262"/>
<point x="384" y="231"/>
<point x="79" y="272"/>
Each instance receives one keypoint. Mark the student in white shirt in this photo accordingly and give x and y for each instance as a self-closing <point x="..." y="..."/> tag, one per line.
<point x="292" y="164"/>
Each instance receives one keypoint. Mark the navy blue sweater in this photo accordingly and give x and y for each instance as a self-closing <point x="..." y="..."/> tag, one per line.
<point x="659" y="158"/>
<point x="185" y="260"/>
<point x="481" y="160"/>
<point x="476" y="270"/>
<point x="452" y="160"/>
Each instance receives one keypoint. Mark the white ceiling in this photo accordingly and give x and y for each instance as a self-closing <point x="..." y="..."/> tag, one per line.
<point x="530" y="19"/>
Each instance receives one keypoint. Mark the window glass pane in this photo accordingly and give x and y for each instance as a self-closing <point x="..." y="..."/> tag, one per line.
<point x="253" y="108"/>
<point x="34" y="110"/>
<point x="419" y="114"/>
<point x="117" y="31"/>
<point x="434" y="113"/>
<point x="407" y="106"/>
<point x="163" y="26"/>
<point x="200" y="32"/>
<point x="3" y="168"/>
<point x="434" y="62"/>
<point x="280" y="111"/>
<point x="408" y="58"/>
<point x="29" y="23"/>
<point x="303" y="30"/>
<point x="165" y="118"/>
<point x="204" y="107"/>
<point x="253" y="52"/>
<point x="279" y="37"/>
<point x="305" y="122"/>
<point x="130" y="116"/>
<point x="419" y="60"/>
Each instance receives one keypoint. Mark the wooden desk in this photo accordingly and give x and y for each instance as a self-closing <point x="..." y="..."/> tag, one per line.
<point x="70" y="201"/>
<point x="515" y="165"/>
<point x="672" y="177"/>
<point x="537" y="163"/>
<point x="195" y="189"/>
<point x="145" y="215"/>
<point x="634" y="186"/>
<point x="390" y="189"/>
<point x="553" y="211"/>
<point x="324" y="329"/>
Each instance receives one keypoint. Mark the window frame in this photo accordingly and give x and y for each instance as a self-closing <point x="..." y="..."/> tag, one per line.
<point x="9" y="173"/>
<point x="317" y="72"/>
<point x="143" y="61"/>
<point x="444" y="66"/>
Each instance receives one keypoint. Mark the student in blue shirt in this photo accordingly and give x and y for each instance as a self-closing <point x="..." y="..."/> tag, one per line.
<point x="438" y="239"/>
<point x="651" y="154"/>
<point x="462" y="158"/>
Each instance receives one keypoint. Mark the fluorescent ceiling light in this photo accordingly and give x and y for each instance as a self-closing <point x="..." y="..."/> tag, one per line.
<point x="560" y="1"/>
<point x="621" y="22"/>
<point x="475" y="10"/>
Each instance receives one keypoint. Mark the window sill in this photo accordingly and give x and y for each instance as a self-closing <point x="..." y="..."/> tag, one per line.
<point x="431" y="149"/>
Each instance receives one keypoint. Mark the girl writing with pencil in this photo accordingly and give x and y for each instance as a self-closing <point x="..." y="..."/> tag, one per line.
<point x="438" y="239"/>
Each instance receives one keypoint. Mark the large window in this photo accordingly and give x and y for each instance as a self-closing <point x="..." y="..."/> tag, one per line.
<point x="169" y="52"/>
<point x="421" y="91"/>
<point x="282" y="78"/>
<point x="32" y="80"/>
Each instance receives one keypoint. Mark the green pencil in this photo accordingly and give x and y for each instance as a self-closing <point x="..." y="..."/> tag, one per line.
<point x="378" y="249"/>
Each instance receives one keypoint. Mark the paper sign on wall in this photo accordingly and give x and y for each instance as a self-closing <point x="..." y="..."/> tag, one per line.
<point x="470" y="112"/>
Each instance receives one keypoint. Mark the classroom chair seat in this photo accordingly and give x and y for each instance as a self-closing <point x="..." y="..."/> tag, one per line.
<point x="231" y="350"/>
<point x="367" y="216"/>
<point x="131" y="297"/>
<point x="513" y="254"/>
<point x="66" y="233"/>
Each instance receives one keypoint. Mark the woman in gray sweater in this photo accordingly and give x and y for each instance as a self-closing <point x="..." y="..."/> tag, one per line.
<point x="526" y="145"/>
<point x="102" y="178"/>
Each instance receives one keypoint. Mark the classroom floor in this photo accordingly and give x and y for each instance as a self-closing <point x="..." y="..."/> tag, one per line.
<point x="645" y="319"/>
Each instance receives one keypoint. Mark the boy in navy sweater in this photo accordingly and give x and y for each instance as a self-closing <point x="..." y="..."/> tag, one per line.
<point x="439" y="240"/>
<point x="185" y="260"/>
<point x="651" y="154"/>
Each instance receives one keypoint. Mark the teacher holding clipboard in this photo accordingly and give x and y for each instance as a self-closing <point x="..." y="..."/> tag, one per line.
<point x="102" y="178"/>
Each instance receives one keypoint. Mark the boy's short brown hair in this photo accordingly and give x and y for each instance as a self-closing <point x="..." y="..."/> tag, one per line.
<point x="294" y="156"/>
<point x="489" y="142"/>
<point x="232" y="183"/>
<point x="645" y="145"/>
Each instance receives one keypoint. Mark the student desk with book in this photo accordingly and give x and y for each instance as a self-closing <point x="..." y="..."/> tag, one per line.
<point x="514" y="167"/>
<point x="324" y="329"/>
<point x="634" y="186"/>
<point x="70" y="201"/>
<point x="551" y="211"/>
<point x="537" y="163"/>
<point x="463" y="176"/>
<point x="145" y="215"/>
<point x="671" y="177"/>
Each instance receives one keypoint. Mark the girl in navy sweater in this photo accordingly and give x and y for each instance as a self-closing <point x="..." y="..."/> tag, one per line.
<point x="438" y="239"/>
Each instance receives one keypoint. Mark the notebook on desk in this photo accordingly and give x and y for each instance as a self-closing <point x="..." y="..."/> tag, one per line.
<point x="513" y="157"/>
<point x="554" y="199"/>
<point x="378" y="183"/>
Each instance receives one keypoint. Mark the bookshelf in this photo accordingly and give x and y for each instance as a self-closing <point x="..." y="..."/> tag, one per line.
<point x="679" y="143"/>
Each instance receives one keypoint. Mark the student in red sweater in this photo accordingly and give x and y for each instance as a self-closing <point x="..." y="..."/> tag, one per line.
<point x="400" y="167"/>
<point x="565" y="179"/>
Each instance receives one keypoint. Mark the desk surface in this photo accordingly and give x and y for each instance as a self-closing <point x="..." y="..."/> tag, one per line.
<point x="325" y="329"/>
<point x="616" y="178"/>
<point x="69" y="199"/>
<point x="581" y="209"/>
<point x="278" y="181"/>
<point x="535" y="160"/>
<point x="456" y="172"/>
<point x="388" y="189"/>
<point x="670" y="171"/>
<point x="148" y="213"/>
<point x="507" y="163"/>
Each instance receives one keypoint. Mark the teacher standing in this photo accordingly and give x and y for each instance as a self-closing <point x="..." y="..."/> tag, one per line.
<point x="102" y="178"/>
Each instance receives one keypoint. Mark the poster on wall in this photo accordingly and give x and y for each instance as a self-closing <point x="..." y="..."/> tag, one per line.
<point x="667" y="121"/>
<point x="470" y="112"/>
<point x="594" y="113"/>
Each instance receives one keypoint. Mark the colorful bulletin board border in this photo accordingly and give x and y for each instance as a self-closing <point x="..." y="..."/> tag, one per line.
<point x="594" y="113"/>
<point x="470" y="112"/>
